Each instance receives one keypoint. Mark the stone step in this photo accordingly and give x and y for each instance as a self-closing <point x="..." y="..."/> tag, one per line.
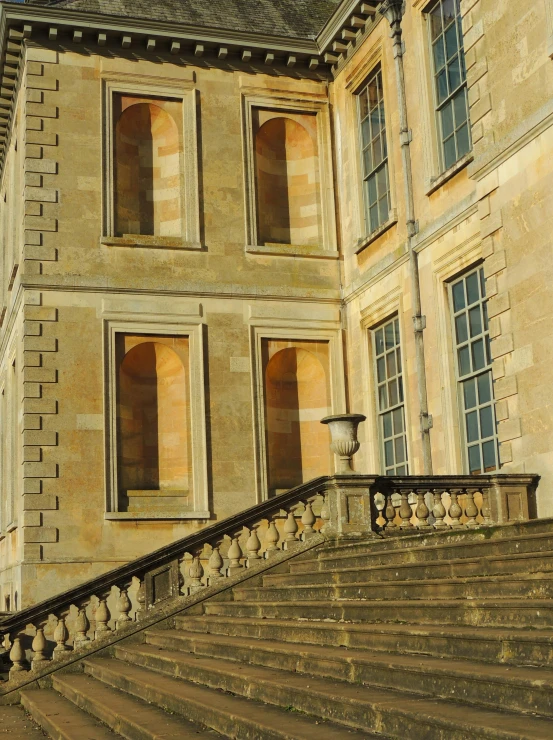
<point x="514" y="688"/>
<point x="397" y="714"/>
<point x="534" y="586"/>
<point x="532" y="647"/>
<point x="487" y="612"/>
<point x="394" y="551"/>
<point x="539" y="562"/>
<point x="232" y="716"/>
<point x="17" y="725"/>
<point x="131" y="718"/>
<point x="62" y="720"/>
<point x="409" y="539"/>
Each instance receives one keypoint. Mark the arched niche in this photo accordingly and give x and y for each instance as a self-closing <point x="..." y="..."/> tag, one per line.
<point x="287" y="182"/>
<point x="296" y="399"/>
<point x="147" y="165"/>
<point x="153" y="423"/>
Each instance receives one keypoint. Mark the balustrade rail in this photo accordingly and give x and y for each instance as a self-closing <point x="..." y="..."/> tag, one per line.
<point x="339" y="506"/>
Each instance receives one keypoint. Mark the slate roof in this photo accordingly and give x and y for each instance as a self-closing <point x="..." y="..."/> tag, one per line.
<point x="296" y="19"/>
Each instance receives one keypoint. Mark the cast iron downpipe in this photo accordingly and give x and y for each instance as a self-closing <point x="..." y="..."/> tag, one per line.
<point x="393" y="11"/>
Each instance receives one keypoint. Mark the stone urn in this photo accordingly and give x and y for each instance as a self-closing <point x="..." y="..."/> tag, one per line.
<point x="344" y="442"/>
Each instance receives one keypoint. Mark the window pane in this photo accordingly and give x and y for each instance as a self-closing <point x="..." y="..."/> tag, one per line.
<point x="373" y="217"/>
<point x="454" y="74"/>
<point x="469" y="394"/>
<point x="400" y="450"/>
<point x="367" y="160"/>
<point x="464" y="361"/>
<point x="484" y="388"/>
<point x="486" y="422"/>
<point x="460" y="107"/>
<point x="363" y="104"/>
<point x="382" y="398"/>
<point x="449" y="11"/>
<point x="458" y="296"/>
<point x="474" y="459"/>
<point x="478" y="358"/>
<point x="401" y="470"/>
<point x="435" y="22"/>
<point x="447" y="120"/>
<point x="387" y="425"/>
<point x="383" y="209"/>
<point x="392" y="391"/>
<point x="441" y="86"/>
<point x="439" y="54"/>
<point x="379" y="341"/>
<point x="463" y="141"/>
<point x="377" y="151"/>
<point x="451" y="46"/>
<point x="398" y="421"/>
<point x="390" y="339"/>
<point x="381" y="369"/>
<point x="400" y="384"/>
<point x="475" y="321"/>
<point x="473" y="294"/>
<point x="450" y="154"/>
<point x="366" y="132"/>
<point x="489" y="454"/>
<point x="391" y="363"/>
<point x="472" y="426"/>
<point x="461" y="328"/>
<point x="371" y="184"/>
<point x="389" y="453"/>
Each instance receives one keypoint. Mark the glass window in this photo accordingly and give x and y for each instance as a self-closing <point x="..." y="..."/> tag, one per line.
<point x="474" y="375"/>
<point x="390" y="398"/>
<point x="376" y="182"/>
<point x="450" y="86"/>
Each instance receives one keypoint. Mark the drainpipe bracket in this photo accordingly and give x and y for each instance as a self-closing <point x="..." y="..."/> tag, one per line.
<point x="427" y="422"/>
<point x="406" y="137"/>
<point x="419" y="323"/>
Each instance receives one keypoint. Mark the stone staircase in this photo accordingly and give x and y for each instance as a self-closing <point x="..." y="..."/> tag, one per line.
<point x="439" y="635"/>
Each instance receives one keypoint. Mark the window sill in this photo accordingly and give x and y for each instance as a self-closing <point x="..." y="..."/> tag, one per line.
<point x="364" y="242"/>
<point x="11" y="527"/>
<point x="437" y="182"/>
<point x="149" y="242"/>
<point x="293" y="250"/>
<point x="146" y="516"/>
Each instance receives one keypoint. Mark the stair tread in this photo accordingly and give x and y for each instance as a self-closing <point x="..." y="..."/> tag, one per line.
<point x="528" y="676"/>
<point x="58" y="715"/>
<point x="434" y="602"/>
<point x="16" y="725"/>
<point x="424" y="708"/>
<point x="373" y="545"/>
<point x="481" y="633"/>
<point x="114" y="707"/>
<point x="291" y="725"/>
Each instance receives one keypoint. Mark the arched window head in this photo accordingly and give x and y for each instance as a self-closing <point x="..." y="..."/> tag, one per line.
<point x="287" y="181"/>
<point x="147" y="159"/>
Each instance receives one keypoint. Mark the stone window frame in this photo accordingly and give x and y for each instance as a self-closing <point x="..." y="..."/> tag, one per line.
<point x="293" y="102"/>
<point x="363" y="236"/>
<point x="185" y="91"/>
<point x="372" y="316"/>
<point x="9" y="387"/>
<point x="293" y="331"/>
<point x="192" y="328"/>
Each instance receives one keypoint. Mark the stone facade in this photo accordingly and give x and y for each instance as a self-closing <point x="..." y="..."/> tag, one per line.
<point x="256" y="244"/>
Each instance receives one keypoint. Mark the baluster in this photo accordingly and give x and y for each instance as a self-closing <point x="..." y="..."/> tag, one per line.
<point x="196" y="573"/>
<point x="405" y="511"/>
<point x="141" y="599"/>
<point x="123" y="607"/>
<point x="235" y="555"/>
<point x="308" y="519"/>
<point x="486" y="508"/>
<point x="38" y="647"/>
<point x="17" y="657"/>
<point x="471" y="511"/>
<point x="438" y="510"/>
<point x="82" y="625"/>
<point x="455" y="511"/>
<point x="421" y="511"/>
<point x="181" y="569"/>
<point x="102" y="617"/>
<point x="215" y="563"/>
<point x="290" y="529"/>
<point x="390" y="512"/>
<point x="272" y="537"/>
<point x="253" y="546"/>
<point x="61" y="635"/>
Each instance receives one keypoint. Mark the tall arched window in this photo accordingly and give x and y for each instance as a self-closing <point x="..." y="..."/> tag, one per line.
<point x="287" y="180"/>
<point x="147" y="168"/>
<point x="296" y="399"/>
<point x="153" y="421"/>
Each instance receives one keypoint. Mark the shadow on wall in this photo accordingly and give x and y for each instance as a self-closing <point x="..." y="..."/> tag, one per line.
<point x="147" y="159"/>
<point x="296" y="399"/>
<point x="287" y="181"/>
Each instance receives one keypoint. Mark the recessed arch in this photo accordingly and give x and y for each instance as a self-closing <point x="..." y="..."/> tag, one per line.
<point x="296" y="399"/>
<point x="147" y="166"/>
<point x="287" y="182"/>
<point x="153" y="420"/>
